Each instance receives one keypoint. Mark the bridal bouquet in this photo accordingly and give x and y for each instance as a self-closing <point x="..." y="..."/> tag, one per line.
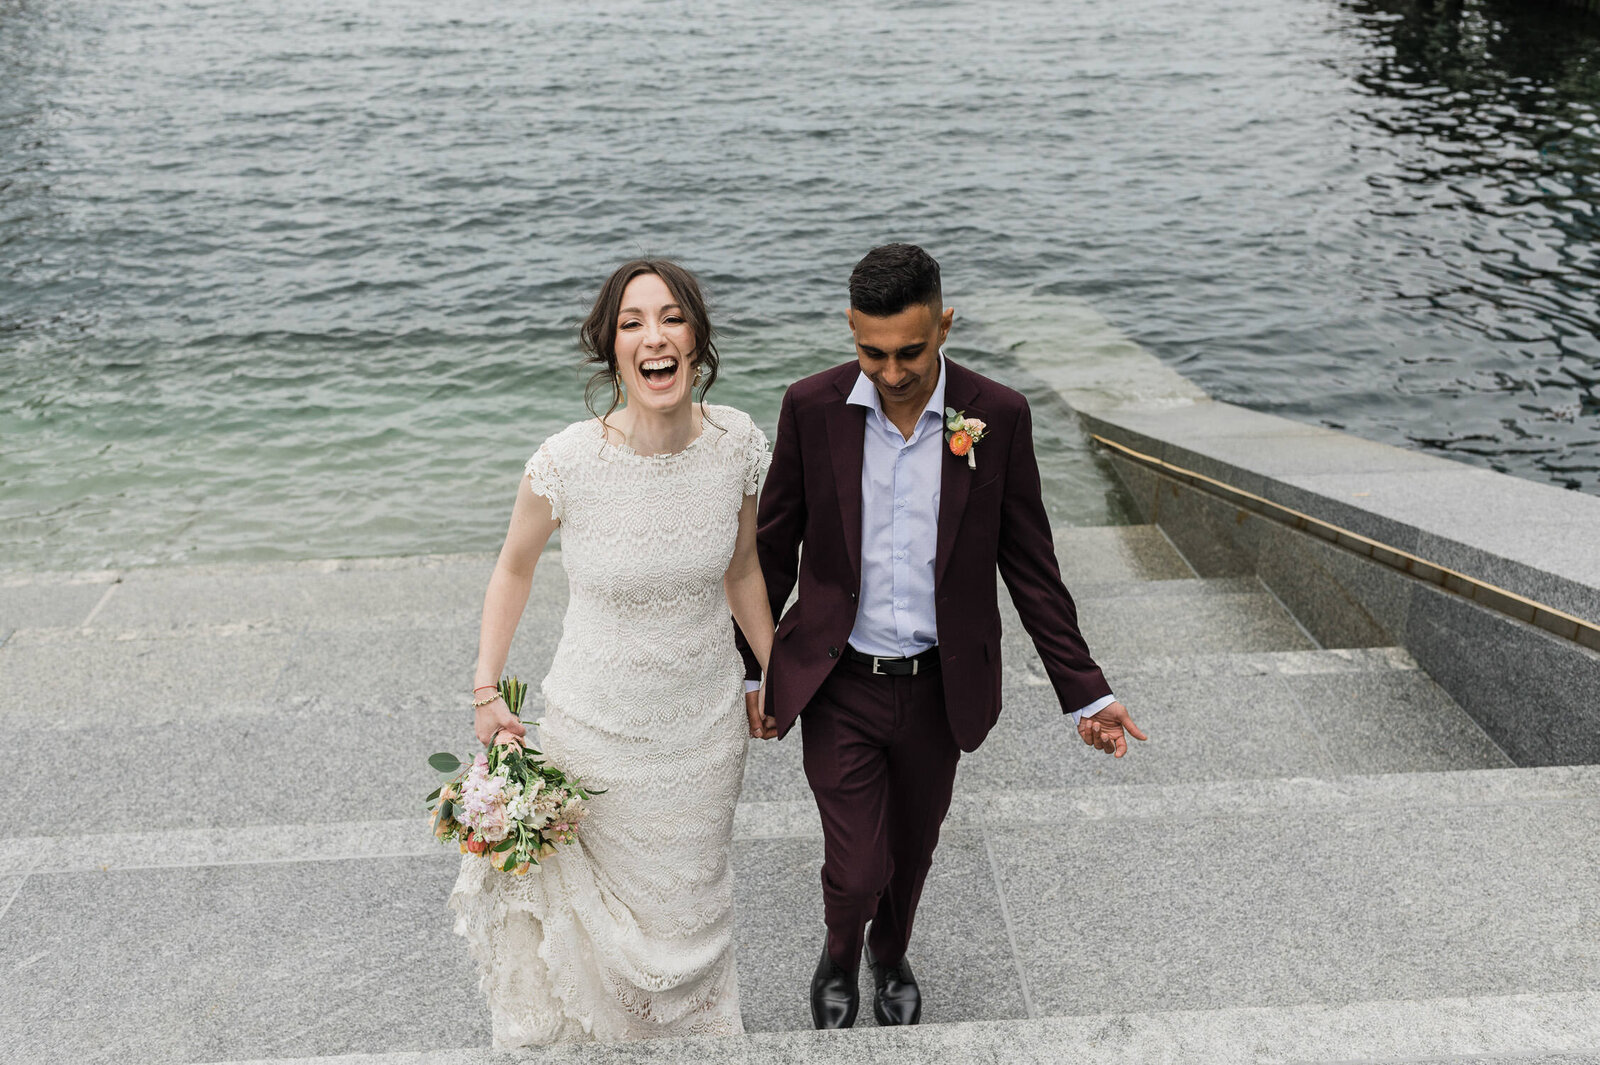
<point x="508" y="805"/>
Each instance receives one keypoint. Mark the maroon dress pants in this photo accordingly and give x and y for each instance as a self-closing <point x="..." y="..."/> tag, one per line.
<point x="881" y="761"/>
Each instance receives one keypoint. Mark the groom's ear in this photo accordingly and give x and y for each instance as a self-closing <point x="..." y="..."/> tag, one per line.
<point x="945" y="319"/>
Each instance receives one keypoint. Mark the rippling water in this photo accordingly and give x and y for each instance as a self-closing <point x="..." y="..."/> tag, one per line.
<point x="298" y="280"/>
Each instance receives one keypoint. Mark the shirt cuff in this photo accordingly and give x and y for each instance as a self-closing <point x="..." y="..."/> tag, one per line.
<point x="1093" y="708"/>
<point x="751" y="686"/>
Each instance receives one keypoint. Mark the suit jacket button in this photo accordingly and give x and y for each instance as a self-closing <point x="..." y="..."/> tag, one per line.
<point x="833" y="652"/>
<point x="852" y="597"/>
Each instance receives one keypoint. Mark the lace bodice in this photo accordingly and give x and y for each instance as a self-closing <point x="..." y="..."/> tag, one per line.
<point x="645" y="541"/>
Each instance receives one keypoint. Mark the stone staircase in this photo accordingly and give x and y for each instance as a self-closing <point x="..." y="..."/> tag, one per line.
<point x="218" y="852"/>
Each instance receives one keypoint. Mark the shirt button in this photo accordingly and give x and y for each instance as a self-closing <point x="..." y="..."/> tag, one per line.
<point x="901" y="604"/>
<point x="899" y="502"/>
<point x="899" y="554"/>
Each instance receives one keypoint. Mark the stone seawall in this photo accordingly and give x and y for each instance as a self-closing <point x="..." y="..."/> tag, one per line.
<point x="1491" y="582"/>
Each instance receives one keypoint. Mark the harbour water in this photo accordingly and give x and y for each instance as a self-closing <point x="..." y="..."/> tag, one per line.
<point x="287" y="280"/>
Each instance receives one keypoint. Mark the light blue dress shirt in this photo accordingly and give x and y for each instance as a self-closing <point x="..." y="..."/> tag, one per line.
<point x="900" y="489"/>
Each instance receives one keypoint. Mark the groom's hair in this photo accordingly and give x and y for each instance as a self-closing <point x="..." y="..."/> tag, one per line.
<point x="890" y="278"/>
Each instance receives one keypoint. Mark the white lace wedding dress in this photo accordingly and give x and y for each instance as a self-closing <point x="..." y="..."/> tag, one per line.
<point x="628" y="933"/>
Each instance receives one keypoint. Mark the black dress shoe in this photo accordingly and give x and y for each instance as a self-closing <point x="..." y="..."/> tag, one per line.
<point x="834" y="998"/>
<point x="895" y="998"/>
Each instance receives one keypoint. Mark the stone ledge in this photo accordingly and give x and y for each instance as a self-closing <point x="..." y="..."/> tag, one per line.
<point x="1532" y="539"/>
<point x="1456" y="561"/>
<point x="250" y="569"/>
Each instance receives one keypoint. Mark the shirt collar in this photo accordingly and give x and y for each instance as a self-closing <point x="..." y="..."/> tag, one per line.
<point x="865" y="394"/>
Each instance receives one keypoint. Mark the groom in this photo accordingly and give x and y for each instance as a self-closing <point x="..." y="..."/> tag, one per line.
<point x="890" y="658"/>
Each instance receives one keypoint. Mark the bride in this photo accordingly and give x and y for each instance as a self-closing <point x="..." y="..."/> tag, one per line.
<point x="627" y="934"/>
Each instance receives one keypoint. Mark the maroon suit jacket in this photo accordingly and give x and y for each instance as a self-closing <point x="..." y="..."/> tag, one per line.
<point x="990" y="517"/>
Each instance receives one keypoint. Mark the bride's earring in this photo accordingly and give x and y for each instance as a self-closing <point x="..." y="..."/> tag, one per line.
<point x="699" y="372"/>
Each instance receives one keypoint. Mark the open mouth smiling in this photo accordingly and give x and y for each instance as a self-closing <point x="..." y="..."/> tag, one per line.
<point x="659" y="373"/>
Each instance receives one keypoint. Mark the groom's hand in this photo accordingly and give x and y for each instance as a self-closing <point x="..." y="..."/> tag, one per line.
<point x="762" y="727"/>
<point x="1107" y="730"/>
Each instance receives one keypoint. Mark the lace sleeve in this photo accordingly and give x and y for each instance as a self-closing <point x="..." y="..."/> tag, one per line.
<point x="757" y="457"/>
<point x="544" y="479"/>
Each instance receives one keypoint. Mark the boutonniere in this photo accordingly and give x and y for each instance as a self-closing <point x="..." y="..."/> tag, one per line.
<point x="963" y="434"/>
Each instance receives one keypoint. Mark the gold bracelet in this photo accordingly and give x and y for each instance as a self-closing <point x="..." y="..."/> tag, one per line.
<point x="476" y="703"/>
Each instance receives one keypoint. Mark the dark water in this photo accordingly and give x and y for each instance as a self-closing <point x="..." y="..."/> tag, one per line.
<point x="298" y="280"/>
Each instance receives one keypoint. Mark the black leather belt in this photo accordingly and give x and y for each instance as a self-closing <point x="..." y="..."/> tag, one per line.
<point x="925" y="662"/>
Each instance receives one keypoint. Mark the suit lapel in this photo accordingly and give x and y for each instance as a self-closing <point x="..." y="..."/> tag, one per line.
<point x="847" y="431"/>
<point x="955" y="478"/>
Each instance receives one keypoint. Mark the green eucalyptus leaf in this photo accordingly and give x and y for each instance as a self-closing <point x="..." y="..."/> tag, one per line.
<point x="505" y="844"/>
<point x="434" y="794"/>
<point x="444" y="762"/>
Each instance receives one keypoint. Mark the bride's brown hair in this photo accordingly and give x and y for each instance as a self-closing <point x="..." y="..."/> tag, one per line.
<point x="598" y="334"/>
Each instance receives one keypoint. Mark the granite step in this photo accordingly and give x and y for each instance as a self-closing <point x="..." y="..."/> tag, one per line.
<point x="1246" y="917"/>
<point x="329" y="593"/>
<point x="410" y="661"/>
<point x="1210" y="717"/>
<point x="1488" y="1030"/>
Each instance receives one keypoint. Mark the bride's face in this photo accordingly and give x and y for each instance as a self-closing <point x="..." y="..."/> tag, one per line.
<point x="654" y="345"/>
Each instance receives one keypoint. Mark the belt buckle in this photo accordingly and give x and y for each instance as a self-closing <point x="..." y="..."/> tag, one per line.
<point x="876" y="672"/>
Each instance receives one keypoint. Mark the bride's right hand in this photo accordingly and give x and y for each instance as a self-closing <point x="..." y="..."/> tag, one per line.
<point x="491" y="719"/>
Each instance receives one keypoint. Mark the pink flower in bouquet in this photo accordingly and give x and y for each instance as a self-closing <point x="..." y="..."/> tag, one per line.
<point x="493" y="824"/>
<point x="479" y="790"/>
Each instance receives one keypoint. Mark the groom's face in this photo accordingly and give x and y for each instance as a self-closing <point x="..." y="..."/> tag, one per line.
<point x="900" y="353"/>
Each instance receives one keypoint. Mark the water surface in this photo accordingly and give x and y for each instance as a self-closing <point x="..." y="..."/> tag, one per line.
<point x="284" y="280"/>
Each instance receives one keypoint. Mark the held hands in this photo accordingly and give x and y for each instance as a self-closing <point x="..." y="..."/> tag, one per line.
<point x="762" y="727"/>
<point x="492" y="720"/>
<point x="1105" y="730"/>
